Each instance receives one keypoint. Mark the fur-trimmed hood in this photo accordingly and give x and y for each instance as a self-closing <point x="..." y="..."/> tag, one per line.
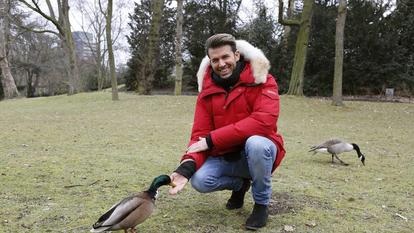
<point x="259" y="63"/>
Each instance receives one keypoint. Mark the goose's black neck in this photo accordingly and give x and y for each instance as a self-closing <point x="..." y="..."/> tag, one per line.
<point x="360" y="155"/>
<point x="356" y="147"/>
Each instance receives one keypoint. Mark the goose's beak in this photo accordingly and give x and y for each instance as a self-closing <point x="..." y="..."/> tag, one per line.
<point x="172" y="184"/>
<point x="363" y="160"/>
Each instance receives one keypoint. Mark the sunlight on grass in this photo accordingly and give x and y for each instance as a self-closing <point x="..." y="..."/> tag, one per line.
<point x="65" y="160"/>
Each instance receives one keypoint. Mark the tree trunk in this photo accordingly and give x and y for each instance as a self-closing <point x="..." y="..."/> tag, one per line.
<point x="9" y="86"/>
<point x="74" y="78"/>
<point x="32" y="85"/>
<point x="286" y="30"/>
<point x="99" y="70"/>
<point x="111" y="52"/>
<point x="296" y="80"/>
<point x="99" y="57"/>
<point x="7" y="81"/>
<point x="285" y="61"/>
<point x="145" y="85"/>
<point x="62" y="24"/>
<point x="36" y="83"/>
<point x="178" y="56"/>
<point x="339" y="54"/>
<point x="29" y="81"/>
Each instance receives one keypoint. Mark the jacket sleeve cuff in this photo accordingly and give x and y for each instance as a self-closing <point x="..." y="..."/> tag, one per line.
<point x="186" y="169"/>
<point x="209" y="141"/>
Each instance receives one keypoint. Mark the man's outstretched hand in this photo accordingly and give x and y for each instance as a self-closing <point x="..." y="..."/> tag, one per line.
<point x="179" y="180"/>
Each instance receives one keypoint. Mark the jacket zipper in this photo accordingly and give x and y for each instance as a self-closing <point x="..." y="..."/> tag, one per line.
<point x="225" y="100"/>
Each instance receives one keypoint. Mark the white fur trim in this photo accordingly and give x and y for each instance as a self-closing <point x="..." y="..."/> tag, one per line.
<point x="260" y="64"/>
<point x="201" y="70"/>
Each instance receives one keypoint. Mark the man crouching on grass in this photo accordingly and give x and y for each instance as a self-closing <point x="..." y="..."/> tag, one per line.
<point x="234" y="141"/>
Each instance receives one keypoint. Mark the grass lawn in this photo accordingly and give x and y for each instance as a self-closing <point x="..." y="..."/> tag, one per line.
<point x="65" y="160"/>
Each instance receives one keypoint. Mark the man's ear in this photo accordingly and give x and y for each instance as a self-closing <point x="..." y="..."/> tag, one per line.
<point x="237" y="55"/>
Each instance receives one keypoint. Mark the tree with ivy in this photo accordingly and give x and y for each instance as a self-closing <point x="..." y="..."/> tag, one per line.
<point x="301" y="48"/>
<point x="140" y="23"/>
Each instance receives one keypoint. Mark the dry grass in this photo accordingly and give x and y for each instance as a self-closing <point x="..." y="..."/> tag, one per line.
<point x="65" y="160"/>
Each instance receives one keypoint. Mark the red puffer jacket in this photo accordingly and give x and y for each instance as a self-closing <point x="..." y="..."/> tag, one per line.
<point x="250" y="108"/>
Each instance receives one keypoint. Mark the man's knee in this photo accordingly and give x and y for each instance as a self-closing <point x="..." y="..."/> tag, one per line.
<point x="203" y="183"/>
<point x="258" y="148"/>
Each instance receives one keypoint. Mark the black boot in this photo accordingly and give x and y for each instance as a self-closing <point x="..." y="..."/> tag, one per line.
<point x="236" y="200"/>
<point x="258" y="218"/>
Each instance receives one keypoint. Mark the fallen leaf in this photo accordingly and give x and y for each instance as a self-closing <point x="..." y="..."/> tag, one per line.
<point x="289" y="228"/>
<point x="311" y="224"/>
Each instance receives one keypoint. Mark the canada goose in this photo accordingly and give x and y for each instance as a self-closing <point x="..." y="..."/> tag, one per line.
<point x="132" y="210"/>
<point x="335" y="147"/>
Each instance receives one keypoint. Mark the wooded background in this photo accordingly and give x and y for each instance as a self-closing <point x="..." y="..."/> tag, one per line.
<point x="302" y="40"/>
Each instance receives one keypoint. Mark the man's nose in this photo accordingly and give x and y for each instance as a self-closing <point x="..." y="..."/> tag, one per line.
<point x="221" y="63"/>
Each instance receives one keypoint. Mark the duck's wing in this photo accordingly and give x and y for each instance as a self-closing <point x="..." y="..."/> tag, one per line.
<point x="325" y="144"/>
<point x="138" y="215"/>
<point x="118" y="212"/>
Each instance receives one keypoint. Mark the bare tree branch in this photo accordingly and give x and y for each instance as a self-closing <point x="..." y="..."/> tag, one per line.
<point x="118" y="33"/>
<point x="37" y="9"/>
<point x="38" y="31"/>
<point x="101" y="9"/>
<point x="52" y="13"/>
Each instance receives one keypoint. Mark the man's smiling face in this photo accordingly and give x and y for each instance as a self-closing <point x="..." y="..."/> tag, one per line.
<point x="223" y="60"/>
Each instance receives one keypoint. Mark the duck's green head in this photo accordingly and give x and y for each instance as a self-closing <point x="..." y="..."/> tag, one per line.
<point x="160" y="181"/>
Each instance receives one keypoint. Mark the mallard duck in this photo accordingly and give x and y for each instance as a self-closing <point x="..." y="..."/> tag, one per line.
<point x="132" y="210"/>
<point x="335" y="147"/>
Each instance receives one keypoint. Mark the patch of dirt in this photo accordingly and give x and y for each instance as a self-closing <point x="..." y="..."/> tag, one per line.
<point x="373" y="98"/>
<point x="54" y="220"/>
<point x="283" y="202"/>
<point x="380" y="98"/>
<point x="25" y="211"/>
<point x="206" y="228"/>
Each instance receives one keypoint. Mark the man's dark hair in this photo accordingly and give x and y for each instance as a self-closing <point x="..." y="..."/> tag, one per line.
<point x="219" y="40"/>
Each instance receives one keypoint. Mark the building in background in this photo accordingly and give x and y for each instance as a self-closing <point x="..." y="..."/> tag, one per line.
<point x="83" y="44"/>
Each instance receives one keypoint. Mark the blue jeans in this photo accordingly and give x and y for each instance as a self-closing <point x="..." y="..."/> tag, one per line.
<point x="256" y="163"/>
